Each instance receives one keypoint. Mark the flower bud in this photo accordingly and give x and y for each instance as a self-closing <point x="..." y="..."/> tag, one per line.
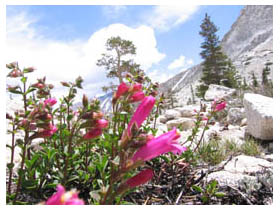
<point x="136" y="87"/>
<point x="93" y="133"/>
<point x="97" y="115"/>
<point x="141" y="178"/>
<point x="12" y="65"/>
<point x="8" y="116"/>
<point x="50" y="101"/>
<point x="85" y="100"/>
<point x="139" y="96"/>
<point x="65" y="84"/>
<point x="102" y="123"/>
<point x="122" y="89"/>
<point x="51" y="86"/>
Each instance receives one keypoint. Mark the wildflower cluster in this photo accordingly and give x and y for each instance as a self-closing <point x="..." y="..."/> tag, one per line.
<point x="80" y="148"/>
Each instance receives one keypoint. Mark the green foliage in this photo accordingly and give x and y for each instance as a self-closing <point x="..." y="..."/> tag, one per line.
<point x="201" y="90"/>
<point x="114" y="62"/>
<point x="255" y="81"/>
<point x="250" y="147"/>
<point x="212" y="152"/>
<point x="210" y="192"/>
<point x="217" y="68"/>
<point x="231" y="76"/>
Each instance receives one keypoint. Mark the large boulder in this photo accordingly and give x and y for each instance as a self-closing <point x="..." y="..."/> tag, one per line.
<point x="187" y="111"/>
<point x="218" y="91"/>
<point x="162" y="119"/>
<point x="259" y="114"/>
<point x="183" y="123"/>
<point x="235" y="115"/>
<point x="172" y="114"/>
<point x="240" y="168"/>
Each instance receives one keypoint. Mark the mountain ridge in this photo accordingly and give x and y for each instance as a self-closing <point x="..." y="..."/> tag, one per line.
<point x="249" y="44"/>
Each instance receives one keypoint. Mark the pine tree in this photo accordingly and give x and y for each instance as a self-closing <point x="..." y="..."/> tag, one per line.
<point x="255" y="81"/>
<point x="215" y="62"/>
<point x="265" y="73"/>
<point x="216" y="67"/>
<point x="114" y="62"/>
<point x="231" y="76"/>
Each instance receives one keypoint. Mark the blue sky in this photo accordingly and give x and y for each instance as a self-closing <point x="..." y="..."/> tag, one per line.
<point x="63" y="42"/>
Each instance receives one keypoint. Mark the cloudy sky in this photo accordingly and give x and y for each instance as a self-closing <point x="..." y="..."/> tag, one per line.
<point x="64" y="42"/>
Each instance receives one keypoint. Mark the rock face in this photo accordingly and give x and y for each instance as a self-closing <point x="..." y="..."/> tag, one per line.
<point x="172" y="114"/>
<point x="184" y="123"/>
<point x="218" y="91"/>
<point x="240" y="168"/>
<point x="259" y="114"/>
<point x="235" y="115"/>
<point x="249" y="44"/>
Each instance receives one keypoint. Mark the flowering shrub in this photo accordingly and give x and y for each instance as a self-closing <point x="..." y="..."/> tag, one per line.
<point x="84" y="149"/>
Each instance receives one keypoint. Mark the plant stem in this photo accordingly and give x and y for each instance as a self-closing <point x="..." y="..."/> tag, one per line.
<point x="22" y="164"/>
<point x="12" y="159"/>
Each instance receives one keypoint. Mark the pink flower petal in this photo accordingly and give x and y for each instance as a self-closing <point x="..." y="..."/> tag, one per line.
<point x="142" y="112"/>
<point x="141" y="178"/>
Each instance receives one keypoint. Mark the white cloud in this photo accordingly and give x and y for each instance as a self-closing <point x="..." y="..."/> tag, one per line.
<point x="159" y="76"/>
<point x="165" y="17"/>
<point x="65" y="61"/>
<point x="180" y="62"/>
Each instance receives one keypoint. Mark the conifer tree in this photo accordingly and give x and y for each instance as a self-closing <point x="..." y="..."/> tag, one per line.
<point x="114" y="61"/>
<point x="255" y="81"/>
<point x="265" y="73"/>
<point x="214" y="59"/>
<point x="216" y="67"/>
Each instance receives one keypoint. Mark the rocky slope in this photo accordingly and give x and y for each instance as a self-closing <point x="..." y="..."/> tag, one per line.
<point x="249" y="44"/>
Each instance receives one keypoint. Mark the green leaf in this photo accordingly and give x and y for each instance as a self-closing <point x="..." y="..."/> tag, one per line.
<point x="165" y="159"/>
<point x="10" y="165"/>
<point x="31" y="89"/>
<point x="197" y="188"/>
<point x="204" y="199"/>
<point x="23" y="79"/>
<point x="219" y="194"/>
<point x="70" y="117"/>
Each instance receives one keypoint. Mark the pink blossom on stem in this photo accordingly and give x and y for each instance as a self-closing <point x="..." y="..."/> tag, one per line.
<point x="95" y="132"/>
<point x="142" y="112"/>
<point x="141" y="178"/>
<point x="102" y="123"/>
<point x="50" y="101"/>
<point x="48" y="132"/>
<point x="64" y="198"/>
<point x="220" y="106"/>
<point x="160" y="145"/>
<point x="136" y="87"/>
<point x="122" y="89"/>
<point x="138" y="96"/>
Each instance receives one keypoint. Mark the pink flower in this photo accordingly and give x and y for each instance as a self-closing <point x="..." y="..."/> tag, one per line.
<point x="64" y="198"/>
<point x="102" y="123"/>
<point x="205" y="118"/>
<point x="160" y="145"/>
<point x="50" y="101"/>
<point x="142" y="112"/>
<point x="141" y="178"/>
<point x="220" y="106"/>
<point x="137" y="97"/>
<point x="48" y="132"/>
<point x="95" y="132"/>
<point x="122" y="89"/>
<point x="136" y="87"/>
